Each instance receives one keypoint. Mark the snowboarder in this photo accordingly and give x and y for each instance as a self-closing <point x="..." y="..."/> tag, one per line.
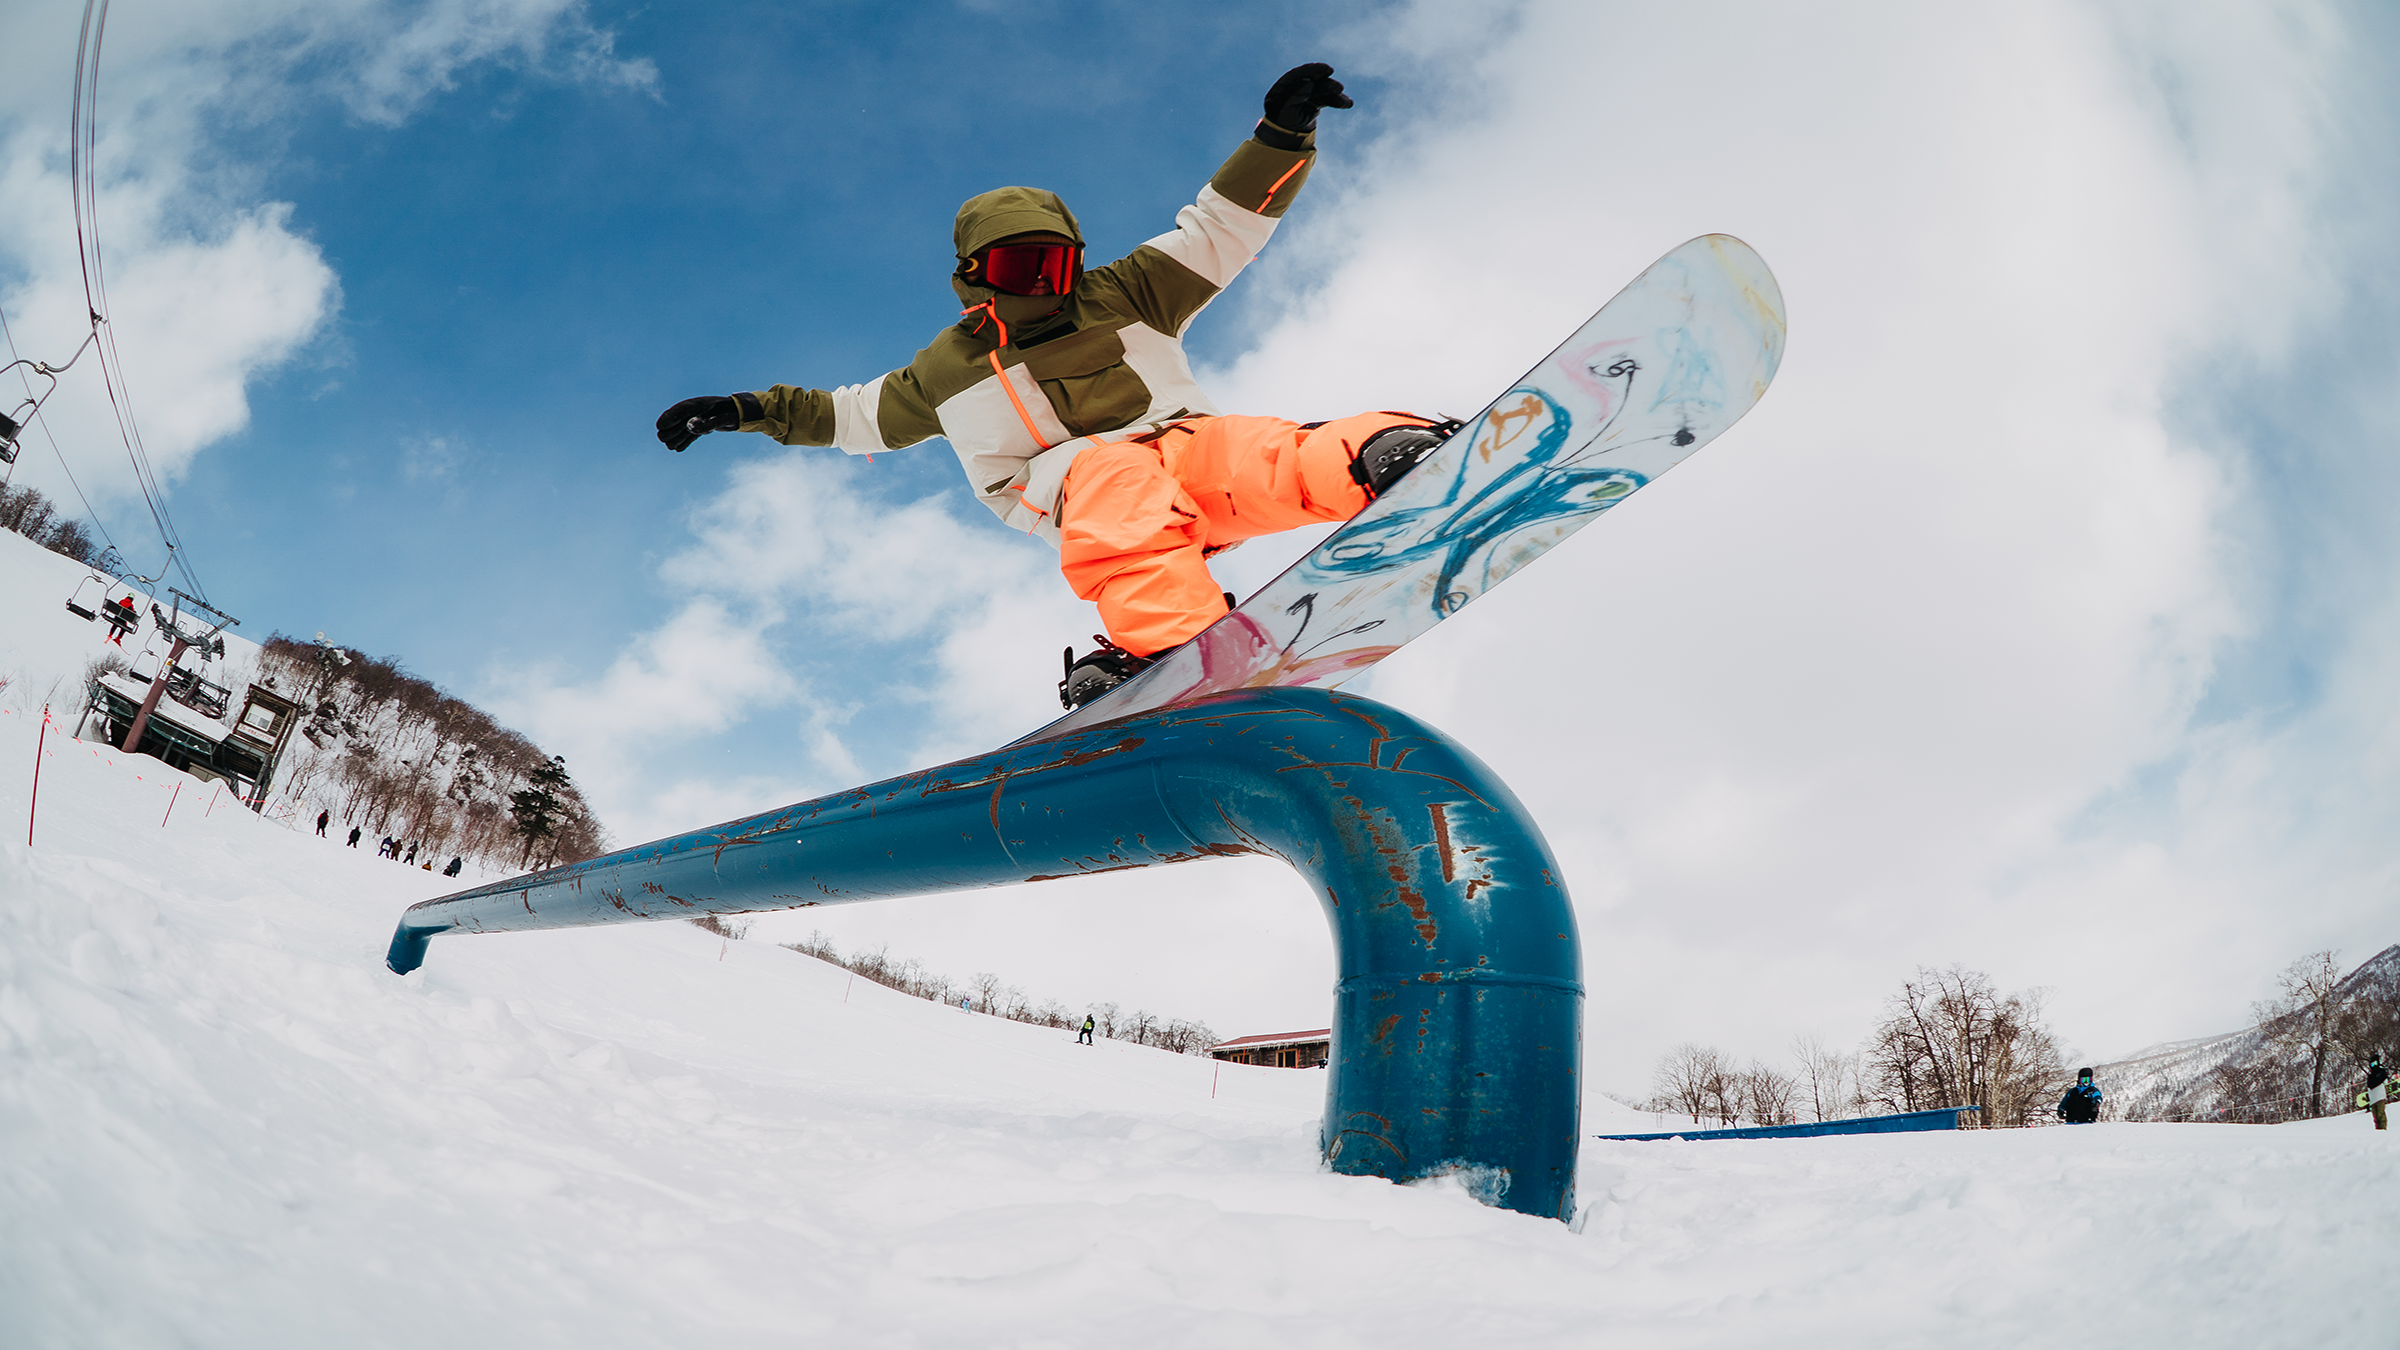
<point x="2081" y="1105"/>
<point x="324" y="818"/>
<point x="2378" y="1094"/>
<point x="1084" y="1037"/>
<point x="452" y="869"/>
<point x="411" y="859"/>
<point x="1072" y="409"/>
<point x="354" y="836"/>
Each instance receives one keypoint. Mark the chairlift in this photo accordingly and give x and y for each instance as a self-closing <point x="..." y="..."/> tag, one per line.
<point x="90" y="594"/>
<point x="201" y="695"/>
<point x="12" y="422"/>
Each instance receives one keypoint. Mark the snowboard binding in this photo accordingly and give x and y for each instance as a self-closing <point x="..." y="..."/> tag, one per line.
<point x="1388" y="455"/>
<point x="1097" y="672"/>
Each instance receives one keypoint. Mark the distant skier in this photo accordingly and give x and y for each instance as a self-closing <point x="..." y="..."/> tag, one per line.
<point x="1050" y="359"/>
<point x="2081" y="1105"/>
<point x="323" y="819"/>
<point x="452" y="869"/>
<point x="2378" y="1090"/>
<point x="411" y="859"/>
<point x="354" y="836"/>
<point x="1084" y="1037"/>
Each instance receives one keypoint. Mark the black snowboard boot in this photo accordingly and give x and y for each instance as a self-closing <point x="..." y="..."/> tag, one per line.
<point x="1097" y="672"/>
<point x="1388" y="455"/>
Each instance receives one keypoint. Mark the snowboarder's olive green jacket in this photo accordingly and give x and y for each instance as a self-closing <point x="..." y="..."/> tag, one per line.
<point x="1111" y="358"/>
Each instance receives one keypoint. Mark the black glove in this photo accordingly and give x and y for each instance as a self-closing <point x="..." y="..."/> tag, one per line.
<point x="694" y="418"/>
<point x="1294" y="101"/>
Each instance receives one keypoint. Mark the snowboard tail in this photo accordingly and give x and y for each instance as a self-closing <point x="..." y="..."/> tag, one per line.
<point x="1666" y="366"/>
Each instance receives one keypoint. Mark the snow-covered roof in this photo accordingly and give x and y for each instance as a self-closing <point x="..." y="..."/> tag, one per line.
<point x="1276" y="1038"/>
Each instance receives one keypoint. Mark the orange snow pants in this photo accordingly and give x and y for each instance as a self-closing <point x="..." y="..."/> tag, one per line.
<point x="1138" y="518"/>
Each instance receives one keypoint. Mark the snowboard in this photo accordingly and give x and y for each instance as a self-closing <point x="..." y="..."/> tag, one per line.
<point x="1676" y="358"/>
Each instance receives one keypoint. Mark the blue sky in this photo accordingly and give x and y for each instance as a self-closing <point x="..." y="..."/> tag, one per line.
<point x="2041" y="618"/>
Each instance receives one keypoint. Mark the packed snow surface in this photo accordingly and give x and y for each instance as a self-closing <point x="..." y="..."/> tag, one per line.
<point x="224" y="1123"/>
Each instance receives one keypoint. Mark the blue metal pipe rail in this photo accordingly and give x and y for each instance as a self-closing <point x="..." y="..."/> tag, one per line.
<point x="1458" y="1015"/>
<point x="1906" y="1122"/>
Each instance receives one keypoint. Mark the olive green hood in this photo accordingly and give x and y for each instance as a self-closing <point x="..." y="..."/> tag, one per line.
<point x="997" y="214"/>
<point x="1001" y="212"/>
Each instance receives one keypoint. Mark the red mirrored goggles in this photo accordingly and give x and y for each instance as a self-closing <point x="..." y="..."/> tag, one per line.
<point x="1020" y="269"/>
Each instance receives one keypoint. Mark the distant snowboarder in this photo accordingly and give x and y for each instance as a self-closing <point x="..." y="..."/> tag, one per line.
<point x="324" y="818"/>
<point x="2379" y="1092"/>
<point x="411" y="859"/>
<point x="1050" y="360"/>
<point x="354" y="836"/>
<point x="1084" y="1037"/>
<point x="2081" y="1105"/>
<point x="452" y="869"/>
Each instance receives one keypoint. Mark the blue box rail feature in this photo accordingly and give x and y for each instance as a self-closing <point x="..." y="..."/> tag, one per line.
<point x="1907" y="1122"/>
<point x="1458" y="995"/>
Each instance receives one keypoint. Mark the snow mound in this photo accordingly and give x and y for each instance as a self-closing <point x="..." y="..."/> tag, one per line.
<point x="226" y="1124"/>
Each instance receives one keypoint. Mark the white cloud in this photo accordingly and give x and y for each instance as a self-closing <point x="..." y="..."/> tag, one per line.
<point x="1859" y="686"/>
<point x="900" y="610"/>
<point x="209" y="288"/>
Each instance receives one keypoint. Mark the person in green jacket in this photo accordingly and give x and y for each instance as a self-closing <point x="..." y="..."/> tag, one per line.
<point x="1067" y="397"/>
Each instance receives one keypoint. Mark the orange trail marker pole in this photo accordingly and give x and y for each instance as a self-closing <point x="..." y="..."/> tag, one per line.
<point x="162" y="820"/>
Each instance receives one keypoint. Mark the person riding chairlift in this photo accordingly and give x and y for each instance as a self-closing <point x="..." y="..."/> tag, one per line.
<point x="122" y="619"/>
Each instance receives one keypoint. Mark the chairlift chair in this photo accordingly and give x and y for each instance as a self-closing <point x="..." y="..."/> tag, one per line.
<point x="90" y="594"/>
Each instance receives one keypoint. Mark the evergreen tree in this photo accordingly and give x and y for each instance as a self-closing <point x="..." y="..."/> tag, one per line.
<point x="539" y="806"/>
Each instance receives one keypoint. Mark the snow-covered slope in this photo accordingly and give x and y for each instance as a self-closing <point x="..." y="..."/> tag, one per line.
<point x="380" y="762"/>
<point x="2177" y="1080"/>
<point x="223" y="1123"/>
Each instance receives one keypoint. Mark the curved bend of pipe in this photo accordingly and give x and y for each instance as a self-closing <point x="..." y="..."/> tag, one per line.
<point x="1458" y="1003"/>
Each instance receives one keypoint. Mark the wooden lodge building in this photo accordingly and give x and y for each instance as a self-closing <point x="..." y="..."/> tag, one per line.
<point x="1282" y="1050"/>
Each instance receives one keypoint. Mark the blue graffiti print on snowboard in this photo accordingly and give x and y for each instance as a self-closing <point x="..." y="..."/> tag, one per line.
<point x="1466" y="528"/>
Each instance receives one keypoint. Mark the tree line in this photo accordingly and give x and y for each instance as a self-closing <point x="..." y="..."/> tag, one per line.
<point x="1948" y="1038"/>
<point x="988" y="993"/>
<point x="391" y="753"/>
<point x="29" y="513"/>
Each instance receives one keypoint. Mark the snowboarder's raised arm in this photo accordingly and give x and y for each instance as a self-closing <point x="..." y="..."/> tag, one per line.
<point x="1171" y="278"/>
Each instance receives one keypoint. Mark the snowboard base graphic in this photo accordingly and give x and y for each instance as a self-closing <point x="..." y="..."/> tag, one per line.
<point x="1676" y="358"/>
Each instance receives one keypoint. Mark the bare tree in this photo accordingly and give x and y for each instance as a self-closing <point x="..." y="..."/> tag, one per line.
<point x="1690" y="1080"/>
<point x="986" y="988"/>
<point x="1948" y="1038"/>
<point x="1765" y="1094"/>
<point x="1828" y="1076"/>
<point x="2303" y="1018"/>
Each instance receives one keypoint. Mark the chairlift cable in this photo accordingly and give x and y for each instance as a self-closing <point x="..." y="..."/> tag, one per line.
<point x="47" y="434"/>
<point x="83" y="170"/>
